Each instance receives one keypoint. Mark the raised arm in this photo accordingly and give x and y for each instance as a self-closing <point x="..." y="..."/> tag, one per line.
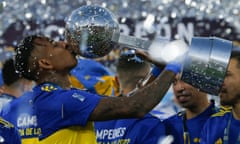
<point x="140" y="102"/>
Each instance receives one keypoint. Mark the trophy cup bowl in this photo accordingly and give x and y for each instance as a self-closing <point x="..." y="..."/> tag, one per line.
<point x="206" y="63"/>
<point x="89" y="31"/>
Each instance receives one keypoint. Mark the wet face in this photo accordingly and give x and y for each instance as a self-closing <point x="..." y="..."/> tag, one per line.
<point x="186" y="95"/>
<point x="53" y="55"/>
<point x="230" y="92"/>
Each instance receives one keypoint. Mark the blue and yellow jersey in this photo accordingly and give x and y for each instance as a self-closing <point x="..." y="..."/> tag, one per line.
<point x="103" y="88"/>
<point x="63" y="114"/>
<point x="8" y="133"/>
<point x="20" y="112"/>
<point x="95" y="77"/>
<point x="105" y="85"/>
<point x="188" y="131"/>
<point x="225" y="108"/>
<point x="221" y="128"/>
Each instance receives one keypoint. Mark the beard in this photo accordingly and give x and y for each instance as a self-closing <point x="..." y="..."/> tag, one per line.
<point x="226" y="100"/>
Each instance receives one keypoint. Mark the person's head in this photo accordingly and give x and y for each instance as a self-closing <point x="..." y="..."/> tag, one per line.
<point x="12" y="82"/>
<point x="230" y="92"/>
<point x="9" y="74"/>
<point x="38" y="56"/>
<point x="188" y="96"/>
<point x="130" y="70"/>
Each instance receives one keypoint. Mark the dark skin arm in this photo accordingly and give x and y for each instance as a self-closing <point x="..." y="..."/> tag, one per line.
<point x="138" y="104"/>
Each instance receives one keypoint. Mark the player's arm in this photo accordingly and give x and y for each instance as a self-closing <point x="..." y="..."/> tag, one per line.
<point x="140" y="102"/>
<point x="158" y="66"/>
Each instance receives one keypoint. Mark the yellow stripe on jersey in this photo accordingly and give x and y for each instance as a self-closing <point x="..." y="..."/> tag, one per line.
<point x="72" y="135"/>
<point x="75" y="82"/>
<point x="106" y="86"/>
<point x="30" y="140"/>
<point x="6" y="123"/>
<point x="220" y="113"/>
<point x="219" y="141"/>
<point x="225" y="108"/>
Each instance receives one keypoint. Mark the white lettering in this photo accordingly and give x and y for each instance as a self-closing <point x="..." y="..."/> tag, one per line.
<point x="185" y="32"/>
<point x="164" y="30"/>
<point x="110" y="133"/>
<point x="26" y="120"/>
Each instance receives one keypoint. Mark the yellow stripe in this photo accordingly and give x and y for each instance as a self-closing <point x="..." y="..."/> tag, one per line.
<point x="225" y="108"/>
<point x="75" y="82"/>
<point x="221" y="113"/>
<point x="72" y="135"/>
<point x="33" y="140"/>
<point x="6" y="123"/>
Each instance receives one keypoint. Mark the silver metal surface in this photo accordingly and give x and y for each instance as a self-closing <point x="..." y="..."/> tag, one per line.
<point x="206" y="63"/>
<point x="134" y="42"/>
<point x="93" y="31"/>
<point x="89" y="30"/>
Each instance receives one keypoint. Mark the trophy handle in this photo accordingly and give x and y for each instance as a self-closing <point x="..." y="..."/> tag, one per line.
<point x="131" y="41"/>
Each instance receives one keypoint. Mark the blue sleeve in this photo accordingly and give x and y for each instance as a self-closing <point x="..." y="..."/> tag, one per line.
<point x="156" y="71"/>
<point x="78" y="107"/>
<point x="16" y="108"/>
<point x="8" y="114"/>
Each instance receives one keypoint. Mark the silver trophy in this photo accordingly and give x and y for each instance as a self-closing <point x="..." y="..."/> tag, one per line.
<point x="206" y="63"/>
<point x="94" y="32"/>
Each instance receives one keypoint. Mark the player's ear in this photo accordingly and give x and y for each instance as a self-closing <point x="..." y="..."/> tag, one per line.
<point x="44" y="63"/>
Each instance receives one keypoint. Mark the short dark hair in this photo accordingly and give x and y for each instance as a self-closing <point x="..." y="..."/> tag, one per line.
<point x="131" y="68"/>
<point x="9" y="74"/>
<point x="129" y="60"/>
<point x="23" y="53"/>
